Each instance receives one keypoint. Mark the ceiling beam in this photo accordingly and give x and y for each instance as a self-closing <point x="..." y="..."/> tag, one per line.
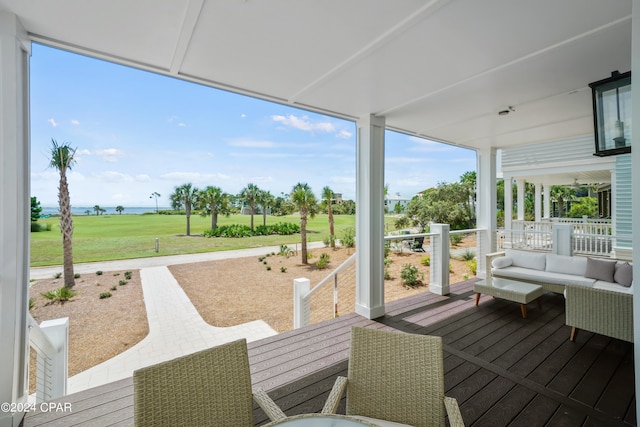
<point x="192" y="13"/>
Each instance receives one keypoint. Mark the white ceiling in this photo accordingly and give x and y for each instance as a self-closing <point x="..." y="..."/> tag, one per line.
<point x="440" y="69"/>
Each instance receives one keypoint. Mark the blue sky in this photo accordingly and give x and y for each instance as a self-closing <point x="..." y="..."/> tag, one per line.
<point x="137" y="133"/>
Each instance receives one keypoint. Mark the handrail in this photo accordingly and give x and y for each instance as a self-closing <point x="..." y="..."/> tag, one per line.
<point x="38" y="339"/>
<point x="340" y="268"/>
<point x="50" y="340"/>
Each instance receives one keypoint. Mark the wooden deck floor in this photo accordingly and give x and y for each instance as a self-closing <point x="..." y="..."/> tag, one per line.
<point x="504" y="370"/>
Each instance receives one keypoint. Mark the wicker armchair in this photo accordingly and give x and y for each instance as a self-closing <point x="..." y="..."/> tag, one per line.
<point x="395" y="377"/>
<point x="208" y="388"/>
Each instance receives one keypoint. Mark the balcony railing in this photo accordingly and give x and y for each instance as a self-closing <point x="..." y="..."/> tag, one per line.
<point x="50" y="340"/>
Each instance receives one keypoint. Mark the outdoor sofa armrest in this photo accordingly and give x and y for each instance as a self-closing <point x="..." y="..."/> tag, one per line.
<point x="331" y="405"/>
<point x="601" y="311"/>
<point x="489" y="258"/>
<point x="269" y="407"/>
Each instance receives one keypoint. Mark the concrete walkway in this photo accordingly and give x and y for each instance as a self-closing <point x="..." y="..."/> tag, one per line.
<point x="175" y="326"/>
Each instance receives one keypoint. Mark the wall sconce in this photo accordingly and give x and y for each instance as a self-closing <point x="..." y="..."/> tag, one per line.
<point x="612" y="114"/>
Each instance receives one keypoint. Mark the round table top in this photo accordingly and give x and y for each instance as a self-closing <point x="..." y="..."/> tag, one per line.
<point x="321" y="420"/>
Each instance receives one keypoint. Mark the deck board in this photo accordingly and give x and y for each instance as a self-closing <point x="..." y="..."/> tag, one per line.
<point x="503" y="369"/>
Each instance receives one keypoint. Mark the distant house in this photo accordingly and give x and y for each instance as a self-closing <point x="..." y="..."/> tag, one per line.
<point x="395" y="203"/>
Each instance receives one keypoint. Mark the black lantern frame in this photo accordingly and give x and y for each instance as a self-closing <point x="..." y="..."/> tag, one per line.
<point x="612" y="114"/>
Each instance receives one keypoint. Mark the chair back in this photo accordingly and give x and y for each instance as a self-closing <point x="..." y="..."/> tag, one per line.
<point x="208" y="388"/>
<point x="396" y="377"/>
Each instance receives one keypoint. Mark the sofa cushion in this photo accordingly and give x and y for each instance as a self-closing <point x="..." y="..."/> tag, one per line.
<point x="566" y="264"/>
<point x="623" y="274"/>
<point x="600" y="269"/>
<point x="501" y="262"/>
<point x="615" y="287"/>
<point x="527" y="259"/>
<point x="536" y="276"/>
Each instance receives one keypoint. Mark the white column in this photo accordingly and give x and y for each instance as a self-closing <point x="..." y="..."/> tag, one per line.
<point x="439" y="270"/>
<point x="635" y="180"/>
<point x="508" y="210"/>
<point x="521" y="208"/>
<point x="547" y="201"/>
<point x="370" y="217"/>
<point x="538" y="202"/>
<point x="14" y="214"/>
<point x="486" y="207"/>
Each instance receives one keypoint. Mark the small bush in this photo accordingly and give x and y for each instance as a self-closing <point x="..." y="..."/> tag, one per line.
<point x="268" y="268"/>
<point x="264" y="262"/>
<point x="99" y="273"/>
<point x="76" y="276"/>
<point x="411" y="276"/>
<point x="122" y="282"/>
<point x="468" y="255"/>
<point x="104" y="295"/>
<point x="261" y="258"/>
<point x="455" y="239"/>
<point x="283" y="269"/>
<point x="57" y="275"/>
<point x="465" y="277"/>
<point x="473" y="265"/>
<point x="59" y="295"/>
<point x="310" y="255"/>
<point x="114" y="287"/>
<point x="127" y="275"/>
<point x="348" y="237"/>
<point x="426" y="261"/>
<point x="285" y="251"/>
<point x="32" y="303"/>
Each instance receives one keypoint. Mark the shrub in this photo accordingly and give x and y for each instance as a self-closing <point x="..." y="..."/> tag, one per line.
<point x="473" y="265"/>
<point x="468" y="255"/>
<point x="114" y="287"/>
<point x="60" y="295"/>
<point x="264" y="262"/>
<point x="268" y="268"/>
<point x="104" y="295"/>
<point x="465" y="276"/>
<point x="426" y="261"/>
<point x="411" y="276"/>
<point x="76" y="276"/>
<point x="238" y="230"/>
<point x="455" y="239"/>
<point x="99" y="273"/>
<point x="285" y="251"/>
<point x="310" y="255"/>
<point x="122" y="282"/>
<point x="32" y="303"/>
<point x="127" y="275"/>
<point x="348" y="237"/>
<point x="283" y="269"/>
<point x="57" y="275"/>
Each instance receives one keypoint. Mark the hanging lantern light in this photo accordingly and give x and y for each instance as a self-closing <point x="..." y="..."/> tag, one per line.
<point x="612" y="114"/>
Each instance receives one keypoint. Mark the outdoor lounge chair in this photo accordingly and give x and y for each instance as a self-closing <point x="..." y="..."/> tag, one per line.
<point x="395" y="377"/>
<point x="208" y="388"/>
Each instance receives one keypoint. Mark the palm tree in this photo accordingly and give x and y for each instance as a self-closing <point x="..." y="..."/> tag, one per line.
<point x="328" y="196"/>
<point x="62" y="160"/>
<point x="249" y="195"/>
<point x="265" y="200"/>
<point x="304" y="199"/>
<point x="562" y="194"/>
<point x="214" y="201"/>
<point x="185" y="196"/>
<point x="119" y="209"/>
<point x="97" y="208"/>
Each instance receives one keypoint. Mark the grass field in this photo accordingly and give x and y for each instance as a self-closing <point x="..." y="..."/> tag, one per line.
<point x="109" y="237"/>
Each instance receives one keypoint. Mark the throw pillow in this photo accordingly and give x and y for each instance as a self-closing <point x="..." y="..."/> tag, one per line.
<point x="501" y="262"/>
<point x="600" y="269"/>
<point x="624" y="275"/>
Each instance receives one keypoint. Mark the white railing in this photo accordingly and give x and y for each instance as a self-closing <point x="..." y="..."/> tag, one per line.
<point x="302" y="293"/>
<point x="344" y="276"/>
<point x="50" y="340"/>
<point x="588" y="238"/>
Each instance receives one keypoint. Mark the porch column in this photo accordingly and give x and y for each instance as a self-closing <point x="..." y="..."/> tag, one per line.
<point x="547" y="201"/>
<point x="508" y="210"/>
<point x="370" y="217"/>
<point x="486" y="207"/>
<point x="537" y="202"/>
<point x="520" y="189"/>
<point x="14" y="211"/>
<point x="635" y="181"/>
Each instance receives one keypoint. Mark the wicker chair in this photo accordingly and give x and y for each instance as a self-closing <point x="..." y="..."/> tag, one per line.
<point x="208" y="388"/>
<point x="395" y="377"/>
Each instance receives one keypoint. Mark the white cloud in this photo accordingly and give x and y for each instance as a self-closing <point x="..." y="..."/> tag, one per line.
<point x="243" y="115"/>
<point x="110" y="155"/>
<point x="343" y="179"/>
<point x="83" y="152"/>
<point x="52" y="122"/>
<point x="303" y="123"/>
<point x="182" y="125"/>
<point x="113" y="176"/>
<point x="258" y="143"/>
<point x="143" y="178"/>
<point x="75" y="122"/>
<point x="344" y="134"/>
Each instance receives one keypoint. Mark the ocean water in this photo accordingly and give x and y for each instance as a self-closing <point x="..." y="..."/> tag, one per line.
<point x="110" y="210"/>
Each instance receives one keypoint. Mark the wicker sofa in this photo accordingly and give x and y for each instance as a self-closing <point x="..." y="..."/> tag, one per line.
<point x="595" y="301"/>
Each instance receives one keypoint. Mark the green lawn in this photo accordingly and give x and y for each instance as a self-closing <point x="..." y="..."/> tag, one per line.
<point x="109" y="237"/>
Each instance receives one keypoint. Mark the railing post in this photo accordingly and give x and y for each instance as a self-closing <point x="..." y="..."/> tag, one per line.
<point x="51" y="378"/>
<point x="439" y="270"/>
<point x="562" y="239"/>
<point x="301" y="304"/>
